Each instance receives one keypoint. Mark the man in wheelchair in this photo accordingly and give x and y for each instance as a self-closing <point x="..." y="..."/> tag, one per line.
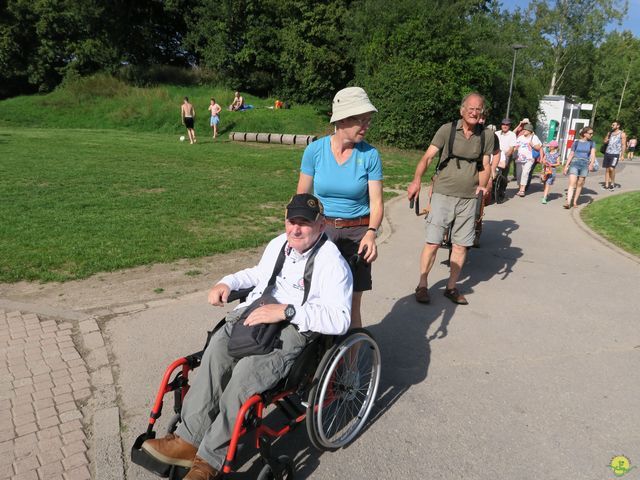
<point x="304" y="304"/>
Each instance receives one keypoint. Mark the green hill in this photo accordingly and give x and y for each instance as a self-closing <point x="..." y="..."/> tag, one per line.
<point x="102" y="101"/>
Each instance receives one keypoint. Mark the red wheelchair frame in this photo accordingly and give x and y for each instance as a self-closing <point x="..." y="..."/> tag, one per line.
<point x="316" y="372"/>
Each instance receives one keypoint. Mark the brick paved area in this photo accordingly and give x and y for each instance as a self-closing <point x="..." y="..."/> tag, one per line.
<point x="43" y="381"/>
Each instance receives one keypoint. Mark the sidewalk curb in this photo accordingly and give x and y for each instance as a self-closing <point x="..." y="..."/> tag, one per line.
<point x="108" y="459"/>
<point x="577" y="218"/>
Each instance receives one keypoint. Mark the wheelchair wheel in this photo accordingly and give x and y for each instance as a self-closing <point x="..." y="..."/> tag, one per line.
<point x="285" y="470"/>
<point x="344" y="390"/>
<point x="499" y="187"/>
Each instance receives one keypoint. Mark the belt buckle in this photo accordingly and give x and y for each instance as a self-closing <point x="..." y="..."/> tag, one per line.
<point x="335" y="222"/>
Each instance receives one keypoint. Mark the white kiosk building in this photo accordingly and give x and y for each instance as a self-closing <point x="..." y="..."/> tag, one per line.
<point x="560" y="119"/>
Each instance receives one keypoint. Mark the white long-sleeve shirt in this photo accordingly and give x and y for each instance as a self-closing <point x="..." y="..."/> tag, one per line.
<point x="328" y="306"/>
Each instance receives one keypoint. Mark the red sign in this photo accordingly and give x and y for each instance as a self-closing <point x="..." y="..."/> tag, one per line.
<point x="572" y="135"/>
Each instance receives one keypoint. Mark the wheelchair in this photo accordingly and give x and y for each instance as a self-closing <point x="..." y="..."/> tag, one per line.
<point x="500" y="183"/>
<point x="331" y="387"/>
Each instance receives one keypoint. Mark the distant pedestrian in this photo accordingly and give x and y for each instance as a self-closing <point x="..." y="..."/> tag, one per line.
<point x="631" y="147"/>
<point x="188" y="114"/>
<point x="616" y="141"/>
<point x="549" y="164"/>
<point x="507" y="144"/>
<point x="215" y="110"/>
<point x="580" y="161"/>
<point x="526" y="143"/>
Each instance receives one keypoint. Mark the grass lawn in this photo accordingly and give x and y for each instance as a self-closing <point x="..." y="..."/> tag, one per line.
<point x="77" y="202"/>
<point x="618" y="219"/>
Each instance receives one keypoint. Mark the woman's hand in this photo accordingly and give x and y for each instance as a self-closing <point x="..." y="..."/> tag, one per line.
<point x="368" y="241"/>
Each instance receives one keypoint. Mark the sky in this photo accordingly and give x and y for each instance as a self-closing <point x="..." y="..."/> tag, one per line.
<point x="631" y="22"/>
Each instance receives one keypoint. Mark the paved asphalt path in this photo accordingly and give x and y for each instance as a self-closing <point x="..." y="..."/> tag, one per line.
<point x="537" y="378"/>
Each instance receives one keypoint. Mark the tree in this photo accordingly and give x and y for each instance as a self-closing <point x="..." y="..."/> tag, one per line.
<point x="569" y="25"/>
<point x="615" y="92"/>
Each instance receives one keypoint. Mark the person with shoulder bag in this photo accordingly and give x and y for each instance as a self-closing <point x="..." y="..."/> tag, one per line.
<point x="302" y="284"/>
<point x="581" y="160"/>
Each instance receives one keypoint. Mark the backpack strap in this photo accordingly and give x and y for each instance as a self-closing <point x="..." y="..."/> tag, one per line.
<point x="308" y="268"/>
<point x="452" y="136"/>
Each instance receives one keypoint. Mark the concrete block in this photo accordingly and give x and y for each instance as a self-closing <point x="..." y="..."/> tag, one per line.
<point x="288" y="139"/>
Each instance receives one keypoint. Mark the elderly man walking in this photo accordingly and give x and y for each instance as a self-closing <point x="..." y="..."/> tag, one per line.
<point x="462" y="172"/>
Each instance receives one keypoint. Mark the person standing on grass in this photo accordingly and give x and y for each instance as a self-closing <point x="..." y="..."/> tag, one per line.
<point x="616" y="141"/>
<point x="215" y="110"/>
<point x="188" y="115"/>
<point x="549" y="164"/>
<point x="580" y="161"/>
<point x="345" y="173"/>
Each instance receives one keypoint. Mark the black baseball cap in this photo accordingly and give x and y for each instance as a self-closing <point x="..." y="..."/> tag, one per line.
<point x="304" y="205"/>
<point x="506" y="121"/>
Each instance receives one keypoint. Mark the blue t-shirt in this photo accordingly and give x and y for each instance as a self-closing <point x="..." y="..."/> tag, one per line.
<point x="582" y="148"/>
<point x="342" y="189"/>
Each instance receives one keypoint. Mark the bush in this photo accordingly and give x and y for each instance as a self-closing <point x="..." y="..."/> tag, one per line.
<point x="98" y="85"/>
<point x="415" y="98"/>
<point x="145" y="76"/>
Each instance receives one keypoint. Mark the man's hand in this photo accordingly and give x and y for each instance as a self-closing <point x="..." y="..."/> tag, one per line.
<point x="219" y="294"/>
<point x="481" y="189"/>
<point x="270" y="313"/>
<point x="413" y="190"/>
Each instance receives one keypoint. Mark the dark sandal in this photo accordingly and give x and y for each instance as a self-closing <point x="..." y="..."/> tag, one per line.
<point x="455" y="296"/>
<point x="422" y="295"/>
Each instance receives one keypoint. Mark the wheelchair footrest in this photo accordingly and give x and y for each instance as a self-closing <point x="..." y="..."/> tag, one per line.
<point x="146" y="461"/>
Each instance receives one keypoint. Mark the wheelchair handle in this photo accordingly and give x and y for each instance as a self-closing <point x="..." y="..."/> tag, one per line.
<point x="239" y="294"/>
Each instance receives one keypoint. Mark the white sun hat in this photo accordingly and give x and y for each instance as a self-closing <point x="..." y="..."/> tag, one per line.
<point x="349" y="102"/>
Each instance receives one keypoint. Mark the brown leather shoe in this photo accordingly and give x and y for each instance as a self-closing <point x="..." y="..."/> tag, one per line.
<point x="171" y="449"/>
<point x="422" y="295"/>
<point x="455" y="296"/>
<point x="201" y="470"/>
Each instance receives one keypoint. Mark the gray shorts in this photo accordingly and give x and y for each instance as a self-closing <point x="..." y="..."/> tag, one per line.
<point x="446" y="210"/>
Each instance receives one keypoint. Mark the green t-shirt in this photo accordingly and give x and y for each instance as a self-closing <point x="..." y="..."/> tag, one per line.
<point x="451" y="180"/>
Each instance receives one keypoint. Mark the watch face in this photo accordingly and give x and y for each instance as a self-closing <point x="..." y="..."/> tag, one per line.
<point x="289" y="312"/>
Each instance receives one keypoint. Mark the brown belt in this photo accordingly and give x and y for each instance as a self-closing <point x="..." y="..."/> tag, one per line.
<point x="348" y="222"/>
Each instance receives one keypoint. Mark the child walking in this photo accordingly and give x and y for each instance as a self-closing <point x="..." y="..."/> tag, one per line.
<point x="549" y="164"/>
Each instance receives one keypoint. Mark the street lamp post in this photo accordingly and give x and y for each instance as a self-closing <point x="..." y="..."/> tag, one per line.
<point x="516" y="47"/>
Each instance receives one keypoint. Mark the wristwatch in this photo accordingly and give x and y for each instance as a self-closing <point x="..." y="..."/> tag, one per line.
<point x="289" y="313"/>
